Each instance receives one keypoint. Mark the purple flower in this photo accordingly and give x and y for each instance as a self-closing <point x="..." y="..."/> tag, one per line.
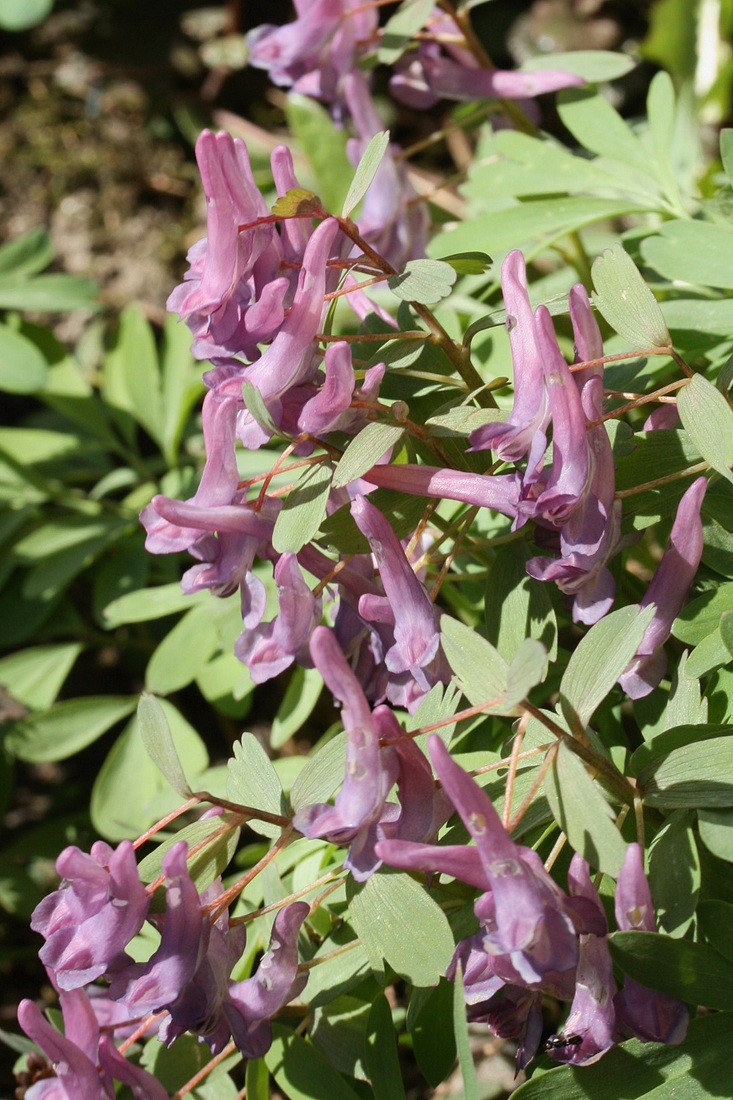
<point x="329" y="410"/>
<point x="406" y="605"/>
<point x="268" y="649"/>
<point x="231" y="297"/>
<point x="420" y="81"/>
<point x="250" y="1005"/>
<point x="313" y="53"/>
<point x="84" y="1065"/>
<point x="525" y="429"/>
<point x="359" y="803"/>
<point x="667" y="593"/>
<point x="500" y="492"/>
<point x="526" y="926"/>
<point x="88" y="922"/>
<point x="589" y="1030"/>
<point x="552" y="496"/>
<point x="649" y="1015"/>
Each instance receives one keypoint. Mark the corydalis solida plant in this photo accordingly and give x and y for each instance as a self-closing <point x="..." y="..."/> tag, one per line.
<point x="258" y="300"/>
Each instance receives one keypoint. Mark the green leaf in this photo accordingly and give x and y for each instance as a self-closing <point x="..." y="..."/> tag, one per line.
<point x="708" y="420"/>
<point x="397" y="920"/>
<point x="463" y="1039"/>
<point x="715" y="925"/>
<point x="592" y="120"/>
<point x="542" y="219"/>
<point x="410" y="17"/>
<point x="128" y="795"/>
<point x="26" y="255"/>
<point x="692" y="252"/>
<point x="598" y="660"/>
<point x="434" y="1043"/>
<point x="148" y="604"/>
<point x="257" y="1079"/>
<point x="468" y="263"/>
<point x="35" y="676"/>
<point x="208" y="863"/>
<point x="516" y="606"/>
<point x="371" y="444"/>
<point x="302" y="693"/>
<point x="158" y="741"/>
<point x="595" y="66"/>
<point x="626" y="301"/>
<point x="66" y="727"/>
<point x="253" y="782"/>
<point x="583" y="813"/>
<point x="181" y="386"/>
<point x="726" y="155"/>
<point x="182" y="654"/>
<point x="423" y="281"/>
<point x="365" y="172"/>
<point x="701" y="616"/>
<point x="674" y="874"/>
<point x="324" y="145"/>
<point x="52" y="293"/>
<point x="303" y="509"/>
<point x="716" y="831"/>
<point x="699" y="1069"/>
<point x="339" y="1032"/>
<point x="699" y="774"/>
<point x="301" y="1071"/>
<point x="257" y="408"/>
<point x="479" y="670"/>
<point x="19" y="15"/>
<point x="23" y="368"/>
<point x="694" y="972"/>
<point x="383" y="1064"/>
<point x="323" y="773"/>
<point x="131" y="379"/>
<point x="527" y="669"/>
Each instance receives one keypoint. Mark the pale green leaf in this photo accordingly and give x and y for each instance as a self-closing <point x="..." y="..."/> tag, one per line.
<point x="156" y="736"/>
<point x="303" y="509"/>
<point x="26" y="255"/>
<point x="35" y="676"/>
<point x="527" y="669"/>
<point x="699" y="774"/>
<point x="674" y="874"/>
<point x="626" y="301"/>
<point x="479" y="670"/>
<point x="323" y="773"/>
<point x="19" y="15"/>
<point x="148" y="604"/>
<point x="23" y="367"/>
<point x="324" y="144"/>
<point x="598" y="660"/>
<point x="419" y="946"/>
<point x="365" y="172"/>
<point x="594" y="66"/>
<point x="692" y="252"/>
<point x="463" y="1039"/>
<point x="583" y="813"/>
<point x="382" y="1060"/>
<point x="302" y="694"/>
<point x="257" y="408"/>
<point x="708" y="420"/>
<point x="423" y="281"/>
<point x="371" y="444"/>
<point x="66" y="728"/>
<point x="301" y="1071"/>
<point x="208" y="863"/>
<point x="399" y="29"/>
<point x="183" y="652"/>
<point x="253" y="782"/>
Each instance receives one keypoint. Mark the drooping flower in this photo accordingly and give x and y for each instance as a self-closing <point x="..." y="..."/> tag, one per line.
<point x="667" y="592"/>
<point x="589" y="1030"/>
<point x="649" y="1015"/>
<point x="450" y="71"/>
<point x="527" y="926"/>
<point x="84" y="1065"/>
<point x="314" y="52"/>
<point x="250" y="1004"/>
<point x="88" y="922"/>
<point x="524" y="431"/>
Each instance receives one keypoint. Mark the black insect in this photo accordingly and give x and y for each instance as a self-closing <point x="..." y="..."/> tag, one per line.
<point x="556" y="1042"/>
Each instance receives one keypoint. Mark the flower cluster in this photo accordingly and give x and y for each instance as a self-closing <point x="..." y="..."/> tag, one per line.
<point x="534" y="939"/>
<point x="185" y="985"/>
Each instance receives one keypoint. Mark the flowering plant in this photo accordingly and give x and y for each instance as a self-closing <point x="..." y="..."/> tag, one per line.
<point x="491" y="581"/>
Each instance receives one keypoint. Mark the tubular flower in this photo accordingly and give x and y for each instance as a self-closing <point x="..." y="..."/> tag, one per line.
<point x="667" y="592"/>
<point x="85" y="1065"/>
<point x="87" y="923"/>
<point x="423" y="79"/>
<point x="649" y="1015"/>
<point x="313" y="53"/>
<point x="526" y="925"/>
